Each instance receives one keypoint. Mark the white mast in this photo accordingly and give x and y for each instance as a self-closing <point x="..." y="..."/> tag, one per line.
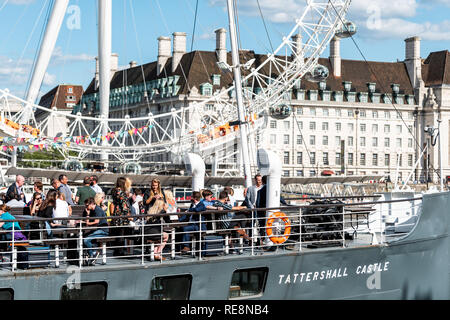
<point x="45" y="53"/>
<point x="46" y="50"/>
<point x="104" y="54"/>
<point x="238" y="89"/>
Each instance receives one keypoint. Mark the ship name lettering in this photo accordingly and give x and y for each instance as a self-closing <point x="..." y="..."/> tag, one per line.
<point x="376" y="267"/>
<point x="312" y="276"/>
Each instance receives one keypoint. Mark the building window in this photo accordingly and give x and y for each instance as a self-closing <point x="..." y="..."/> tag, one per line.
<point x="350" y="159"/>
<point x="350" y="113"/>
<point x="337" y="141"/>
<point x="85" y="291"/>
<point x="410" y="142"/>
<point x="362" y="126"/>
<point x="350" y="141"/>
<point x="375" y="159"/>
<point x="387" y="160"/>
<point x="273" y="124"/>
<point x="216" y="79"/>
<point x="325" y="140"/>
<point x="286" y="139"/>
<point x="326" y="112"/>
<point x="338" y="158"/>
<point x="399" y="142"/>
<point x="69" y="90"/>
<point x="387" y="128"/>
<point x="299" y="157"/>
<point x="362" y="160"/>
<point x="387" y="114"/>
<point x="350" y="127"/>
<point x="386" y="142"/>
<point x="312" y="140"/>
<point x="286" y="173"/>
<point x="273" y="139"/>
<point x="206" y="89"/>
<point x="299" y="111"/>
<point x="171" y="288"/>
<point x="312" y="156"/>
<point x="375" y="114"/>
<point x="362" y="141"/>
<point x="410" y="160"/>
<point x="312" y="111"/>
<point x="325" y="126"/>
<point x="312" y="126"/>
<point x="325" y="159"/>
<point x="374" y="142"/>
<point x="287" y="125"/>
<point x="338" y="126"/>
<point x="362" y="113"/>
<point x="399" y="129"/>
<point x="286" y="157"/>
<point x="338" y="112"/>
<point x="300" y="173"/>
<point x="399" y="159"/>
<point x="374" y="128"/>
<point x="299" y="139"/>
<point x="300" y="123"/>
<point x="312" y="173"/>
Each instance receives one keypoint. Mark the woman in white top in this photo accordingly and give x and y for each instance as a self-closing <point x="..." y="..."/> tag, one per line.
<point x="61" y="209"/>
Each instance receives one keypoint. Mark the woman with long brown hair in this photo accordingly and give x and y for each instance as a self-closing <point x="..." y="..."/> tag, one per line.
<point x="120" y="207"/>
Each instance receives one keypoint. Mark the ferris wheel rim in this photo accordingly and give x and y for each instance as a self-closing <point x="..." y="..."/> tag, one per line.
<point x="309" y="62"/>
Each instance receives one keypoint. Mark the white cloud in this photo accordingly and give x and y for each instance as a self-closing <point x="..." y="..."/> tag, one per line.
<point x="58" y="57"/>
<point x="375" y="19"/>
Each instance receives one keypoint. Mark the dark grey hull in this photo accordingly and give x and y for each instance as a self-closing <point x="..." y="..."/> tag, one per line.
<point x="414" y="267"/>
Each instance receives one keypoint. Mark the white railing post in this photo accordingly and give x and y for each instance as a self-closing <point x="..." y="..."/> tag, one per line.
<point x="80" y="245"/>
<point x="252" y="226"/>
<point x="152" y="252"/>
<point x="14" y="251"/>
<point x="300" y="230"/>
<point x="56" y="256"/>
<point x="143" y="242"/>
<point x="172" y="254"/>
<point x="200" y="238"/>
<point x="343" y="227"/>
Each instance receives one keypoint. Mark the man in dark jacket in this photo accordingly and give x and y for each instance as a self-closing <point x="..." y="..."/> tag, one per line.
<point x="196" y="206"/>
<point x="15" y="190"/>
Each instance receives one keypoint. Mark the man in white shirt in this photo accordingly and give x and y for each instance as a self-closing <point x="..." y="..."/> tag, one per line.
<point x="94" y="185"/>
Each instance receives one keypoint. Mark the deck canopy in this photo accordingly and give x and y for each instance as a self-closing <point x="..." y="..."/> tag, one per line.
<point x="178" y="181"/>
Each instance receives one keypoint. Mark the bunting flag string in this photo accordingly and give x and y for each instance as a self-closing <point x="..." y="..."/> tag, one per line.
<point x="36" y="143"/>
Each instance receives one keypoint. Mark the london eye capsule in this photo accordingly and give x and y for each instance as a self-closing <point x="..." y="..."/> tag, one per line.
<point x="131" y="168"/>
<point x="72" y="165"/>
<point x="346" y="30"/>
<point x="280" y="112"/>
<point x="319" y="74"/>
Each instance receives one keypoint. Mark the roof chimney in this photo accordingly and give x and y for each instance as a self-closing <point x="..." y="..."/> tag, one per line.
<point x="114" y="67"/>
<point x="297" y="46"/>
<point x="221" y="44"/>
<point x="335" y="56"/>
<point x="413" y="61"/>
<point x="133" y="64"/>
<point x="163" y="53"/>
<point x="179" y="48"/>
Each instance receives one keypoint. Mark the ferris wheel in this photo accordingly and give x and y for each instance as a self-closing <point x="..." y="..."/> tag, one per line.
<point x="196" y="127"/>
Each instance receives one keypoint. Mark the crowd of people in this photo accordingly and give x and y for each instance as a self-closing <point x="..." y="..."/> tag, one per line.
<point x="135" y="208"/>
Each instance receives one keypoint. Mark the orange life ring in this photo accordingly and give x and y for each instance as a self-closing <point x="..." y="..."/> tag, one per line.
<point x="287" y="227"/>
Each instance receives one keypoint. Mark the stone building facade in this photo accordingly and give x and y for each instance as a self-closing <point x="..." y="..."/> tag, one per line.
<point x="365" y="118"/>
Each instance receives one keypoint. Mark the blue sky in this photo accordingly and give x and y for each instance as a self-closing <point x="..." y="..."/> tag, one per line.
<point x="382" y="26"/>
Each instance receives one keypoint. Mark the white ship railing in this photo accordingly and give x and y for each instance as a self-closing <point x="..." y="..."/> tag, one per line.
<point x="337" y="224"/>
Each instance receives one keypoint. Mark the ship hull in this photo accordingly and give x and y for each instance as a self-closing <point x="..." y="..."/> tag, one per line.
<point x="413" y="267"/>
